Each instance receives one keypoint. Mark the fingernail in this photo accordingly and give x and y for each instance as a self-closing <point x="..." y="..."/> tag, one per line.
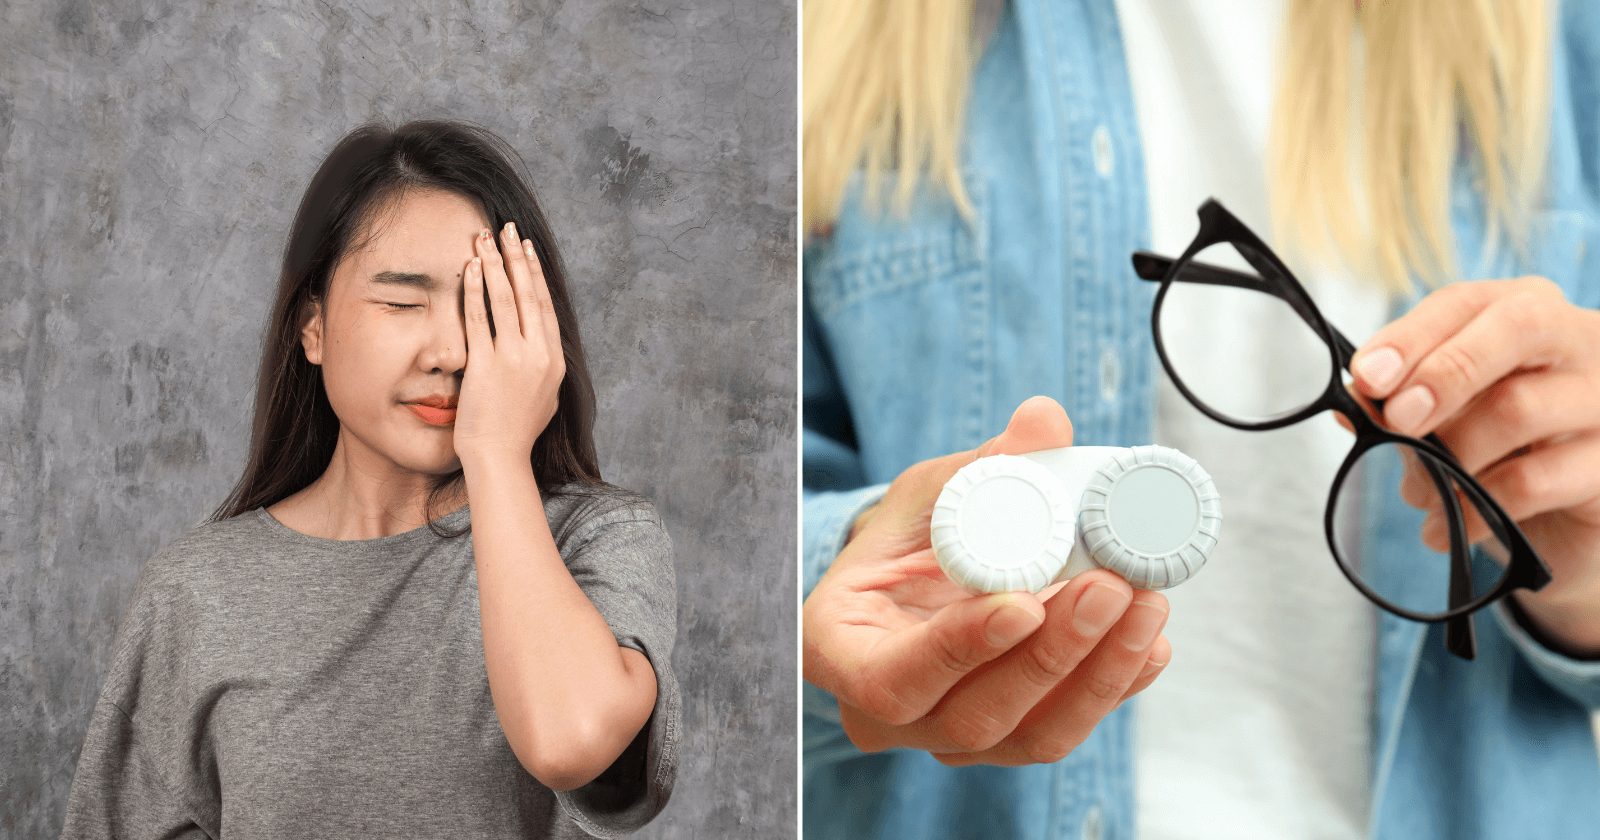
<point x="1008" y="625"/>
<point x="483" y="234"/>
<point x="527" y="247"/>
<point x="1150" y="667"/>
<point x="1406" y="412"/>
<point x="1097" y="608"/>
<point x="511" y="231"/>
<point x="1143" y="623"/>
<point x="1379" y="367"/>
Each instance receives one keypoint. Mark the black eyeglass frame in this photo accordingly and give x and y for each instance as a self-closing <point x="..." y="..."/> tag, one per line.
<point x="1524" y="568"/>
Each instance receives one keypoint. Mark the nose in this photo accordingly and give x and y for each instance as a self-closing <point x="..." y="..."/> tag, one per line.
<point x="445" y="348"/>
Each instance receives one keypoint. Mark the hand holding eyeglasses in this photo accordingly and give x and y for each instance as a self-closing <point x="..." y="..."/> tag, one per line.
<point x="1507" y="374"/>
<point x="1311" y="357"/>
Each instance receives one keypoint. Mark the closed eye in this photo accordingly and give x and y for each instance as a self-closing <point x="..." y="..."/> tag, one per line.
<point x="403" y="305"/>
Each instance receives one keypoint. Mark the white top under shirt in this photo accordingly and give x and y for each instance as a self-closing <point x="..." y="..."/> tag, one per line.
<point x="1260" y="725"/>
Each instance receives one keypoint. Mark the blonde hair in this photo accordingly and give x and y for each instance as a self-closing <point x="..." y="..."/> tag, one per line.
<point x="885" y="85"/>
<point x="890" y="78"/>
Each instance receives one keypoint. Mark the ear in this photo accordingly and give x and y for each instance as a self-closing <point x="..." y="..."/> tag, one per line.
<point x="311" y="330"/>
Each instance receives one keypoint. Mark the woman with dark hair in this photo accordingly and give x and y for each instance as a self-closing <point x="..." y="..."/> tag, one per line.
<point x="325" y="655"/>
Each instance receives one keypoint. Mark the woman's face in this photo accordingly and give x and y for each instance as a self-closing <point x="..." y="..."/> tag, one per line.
<point x="392" y="332"/>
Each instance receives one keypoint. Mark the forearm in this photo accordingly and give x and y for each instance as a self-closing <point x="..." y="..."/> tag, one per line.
<point x="569" y="698"/>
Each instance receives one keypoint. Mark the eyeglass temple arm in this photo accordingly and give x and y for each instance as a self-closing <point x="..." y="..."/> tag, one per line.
<point x="1459" y="635"/>
<point x="1154" y="267"/>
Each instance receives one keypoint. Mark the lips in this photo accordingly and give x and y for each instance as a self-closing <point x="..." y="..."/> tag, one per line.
<point x="433" y="416"/>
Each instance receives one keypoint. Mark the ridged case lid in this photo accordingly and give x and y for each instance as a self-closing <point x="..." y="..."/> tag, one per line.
<point x="1003" y="523"/>
<point x="1151" y="514"/>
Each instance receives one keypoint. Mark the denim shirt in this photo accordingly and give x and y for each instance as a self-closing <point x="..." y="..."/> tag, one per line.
<point x="922" y="334"/>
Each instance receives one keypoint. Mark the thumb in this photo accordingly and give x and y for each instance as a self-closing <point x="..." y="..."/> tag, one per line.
<point x="1038" y="423"/>
<point x="909" y="670"/>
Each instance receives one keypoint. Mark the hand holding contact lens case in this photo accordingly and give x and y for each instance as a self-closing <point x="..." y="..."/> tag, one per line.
<point x="1022" y="522"/>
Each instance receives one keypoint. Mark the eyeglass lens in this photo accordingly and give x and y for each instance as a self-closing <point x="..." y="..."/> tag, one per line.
<point x="1220" y="363"/>
<point x="1425" y="587"/>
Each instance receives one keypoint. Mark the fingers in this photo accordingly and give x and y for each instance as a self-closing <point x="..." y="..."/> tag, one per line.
<point x="1160" y="655"/>
<point x="522" y="281"/>
<point x="479" y="338"/>
<point x="1519" y="410"/>
<point x="1071" y="711"/>
<point x="1424" y="484"/>
<point x="907" y="671"/>
<point x="502" y="303"/>
<point x="544" y="303"/>
<point x="1392" y="353"/>
<point x="871" y="735"/>
<point x="977" y="720"/>
<point x="1437" y="358"/>
<point x="1516" y="416"/>
<point x="1503" y="338"/>
<point x="1068" y="714"/>
<point x="1526" y="486"/>
<point x="531" y="290"/>
<point x="985" y="708"/>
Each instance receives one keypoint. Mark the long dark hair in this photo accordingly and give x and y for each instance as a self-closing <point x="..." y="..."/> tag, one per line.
<point x="293" y="435"/>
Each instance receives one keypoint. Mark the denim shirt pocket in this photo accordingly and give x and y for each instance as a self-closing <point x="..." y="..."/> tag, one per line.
<point x="1560" y="244"/>
<point x="1567" y="253"/>
<point x="905" y="304"/>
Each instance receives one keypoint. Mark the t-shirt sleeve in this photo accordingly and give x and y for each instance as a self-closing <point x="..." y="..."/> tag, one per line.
<point x="623" y="562"/>
<point x="120" y="790"/>
<point x="140" y="774"/>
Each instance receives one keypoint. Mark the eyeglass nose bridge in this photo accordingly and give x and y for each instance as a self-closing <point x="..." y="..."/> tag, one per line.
<point x="1342" y="401"/>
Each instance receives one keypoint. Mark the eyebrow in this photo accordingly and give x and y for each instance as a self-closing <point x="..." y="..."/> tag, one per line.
<point x="409" y="279"/>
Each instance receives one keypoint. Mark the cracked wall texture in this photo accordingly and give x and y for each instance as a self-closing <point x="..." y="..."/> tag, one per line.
<point x="151" y="155"/>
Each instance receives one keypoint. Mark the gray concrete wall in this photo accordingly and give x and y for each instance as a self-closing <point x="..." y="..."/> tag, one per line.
<point x="151" y="155"/>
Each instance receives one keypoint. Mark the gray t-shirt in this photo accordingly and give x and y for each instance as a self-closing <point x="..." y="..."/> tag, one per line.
<point x="270" y="684"/>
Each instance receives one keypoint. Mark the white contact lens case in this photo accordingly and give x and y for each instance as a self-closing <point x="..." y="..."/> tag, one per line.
<point x="1151" y="514"/>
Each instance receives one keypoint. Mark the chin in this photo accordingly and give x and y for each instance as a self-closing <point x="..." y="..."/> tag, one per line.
<point x="434" y="459"/>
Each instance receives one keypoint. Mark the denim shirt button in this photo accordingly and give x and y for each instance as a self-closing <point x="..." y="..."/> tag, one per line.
<point x="1110" y="373"/>
<point x="1103" y="158"/>
<point x="1091" y="824"/>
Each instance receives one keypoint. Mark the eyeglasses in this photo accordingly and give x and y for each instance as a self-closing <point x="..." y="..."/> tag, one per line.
<point x="1443" y="586"/>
